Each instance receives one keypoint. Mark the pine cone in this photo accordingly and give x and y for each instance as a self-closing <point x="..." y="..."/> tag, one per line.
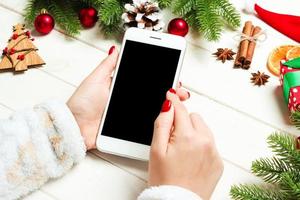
<point x="143" y="14"/>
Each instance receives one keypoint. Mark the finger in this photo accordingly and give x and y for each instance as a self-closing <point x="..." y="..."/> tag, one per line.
<point x="199" y="124"/>
<point x="181" y="116"/>
<point x="197" y="121"/>
<point x="109" y="64"/>
<point x="162" y="128"/>
<point x="106" y="67"/>
<point x="183" y="94"/>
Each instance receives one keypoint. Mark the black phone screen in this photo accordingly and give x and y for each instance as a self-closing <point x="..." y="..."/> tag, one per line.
<point x="145" y="74"/>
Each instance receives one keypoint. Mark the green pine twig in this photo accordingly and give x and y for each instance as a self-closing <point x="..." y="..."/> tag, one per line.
<point x="228" y="12"/>
<point x="254" y="192"/>
<point x="283" y="145"/>
<point x="110" y="16"/>
<point x="208" y="19"/>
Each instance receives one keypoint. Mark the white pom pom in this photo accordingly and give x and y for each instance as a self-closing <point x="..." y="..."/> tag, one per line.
<point x="249" y="6"/>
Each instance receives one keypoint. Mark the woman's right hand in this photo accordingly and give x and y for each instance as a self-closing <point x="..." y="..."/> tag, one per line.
<point x="183" y="152"/>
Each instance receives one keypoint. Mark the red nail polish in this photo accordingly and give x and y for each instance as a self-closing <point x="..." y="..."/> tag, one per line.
<point x="166" y="106"/>
<point x="172" y="91"/>
<point x="189" y="94"/>
<point x="111" y="50"/>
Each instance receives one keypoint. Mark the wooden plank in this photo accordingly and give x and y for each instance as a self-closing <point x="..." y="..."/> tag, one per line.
<point x="95" y="179"/>
<point x="4" y="112"/>
<point x="232" y="175"/>
<point x="38" y="195"/>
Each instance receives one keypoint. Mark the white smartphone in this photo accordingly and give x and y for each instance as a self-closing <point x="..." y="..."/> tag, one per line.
<point x="149" y="65"/>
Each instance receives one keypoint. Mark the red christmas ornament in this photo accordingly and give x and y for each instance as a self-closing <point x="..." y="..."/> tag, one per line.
<point x="88" y="17"/>
<point x="178" y="26"/>
<point x="44" y="23"/>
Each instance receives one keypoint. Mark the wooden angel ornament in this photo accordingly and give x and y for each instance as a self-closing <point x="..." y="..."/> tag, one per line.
<point x="20" y="53"/>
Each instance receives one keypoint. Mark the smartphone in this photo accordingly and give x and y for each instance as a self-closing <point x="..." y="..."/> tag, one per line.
<point x="148" y="66"/>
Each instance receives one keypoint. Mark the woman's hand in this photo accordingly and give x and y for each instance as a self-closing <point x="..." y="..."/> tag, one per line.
<point x="183" y="151"/>
<point x="88" y="102"/>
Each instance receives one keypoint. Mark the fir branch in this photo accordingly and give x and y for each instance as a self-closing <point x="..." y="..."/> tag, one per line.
<point x="32" y="9"/>
<point x="110" y="16"/>
<point x="164" y="3"/>
<point x="269" y="169"/>
<point x="65" y="16"/>
<point x="228" y="12"/>
<point x="210" y="24"/>
<point x="254" y="192"/>
<point x="295" y="119"/>
<point x="290" y="185"/>
<point x="190" y="19"/>
<point x="283" y="145"/>
<point x="182" y="8"/>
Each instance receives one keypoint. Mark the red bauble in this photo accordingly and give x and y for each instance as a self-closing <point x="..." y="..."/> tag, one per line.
<point x="88" y="17"/>
<point x="178" y="26"/>
<point x="44" y="23"/>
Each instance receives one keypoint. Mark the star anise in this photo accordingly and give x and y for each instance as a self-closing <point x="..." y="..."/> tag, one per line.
<point x="224" y="54"/>
<point x="259" y="78"/>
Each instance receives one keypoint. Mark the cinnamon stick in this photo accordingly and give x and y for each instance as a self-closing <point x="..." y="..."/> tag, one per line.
<point x="237" y="63"/>
<point x="251" y="48"/>
<point x="245" y="43"/>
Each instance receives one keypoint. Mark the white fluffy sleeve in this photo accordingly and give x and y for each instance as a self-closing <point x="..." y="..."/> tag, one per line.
<point x="36" y="145"/>
<point x="168" y="192"/>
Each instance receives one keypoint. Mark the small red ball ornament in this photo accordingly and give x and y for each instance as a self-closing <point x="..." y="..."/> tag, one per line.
<point x="178" y="26"/>
<point x="88" y="17"/>
<point x="44" y="23"/>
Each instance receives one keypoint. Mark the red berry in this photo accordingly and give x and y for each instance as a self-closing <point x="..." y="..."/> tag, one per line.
<point x="21" y="57"/>
<point x="15" y="36"/>
<point x="12" y="51"/>
<point x="298" y="143"/>
<point x="27" y="33"/>
<point x="4" y="51"/>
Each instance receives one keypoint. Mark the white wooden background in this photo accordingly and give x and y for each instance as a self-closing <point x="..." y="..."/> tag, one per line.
<point x="240" y="115"/>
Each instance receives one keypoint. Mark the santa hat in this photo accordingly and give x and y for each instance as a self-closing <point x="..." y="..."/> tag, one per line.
<point x="288" y="25"/>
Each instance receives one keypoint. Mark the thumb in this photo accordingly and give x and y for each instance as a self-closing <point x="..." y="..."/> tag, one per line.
<point x="106" y="67"/>
<point x="162" y="128"/>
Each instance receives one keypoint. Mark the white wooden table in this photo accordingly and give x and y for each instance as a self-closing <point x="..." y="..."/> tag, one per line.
<point x="240" y="115"/>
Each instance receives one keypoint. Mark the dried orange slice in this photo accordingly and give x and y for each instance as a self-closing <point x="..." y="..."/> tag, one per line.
<point x="276" y="56"/>
<point x="293" y="53"/>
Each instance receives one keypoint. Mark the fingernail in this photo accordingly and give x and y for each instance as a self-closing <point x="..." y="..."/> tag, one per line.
<point x="172" y="90"/>
<point x="166" y="106"/>
<point x="189" y="94"/>
<point x="180" y="84"/>
<point x="111" y="50"/>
